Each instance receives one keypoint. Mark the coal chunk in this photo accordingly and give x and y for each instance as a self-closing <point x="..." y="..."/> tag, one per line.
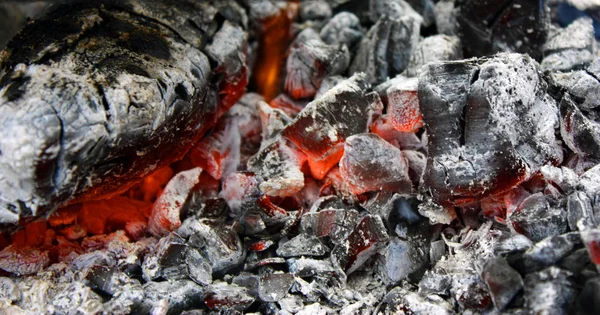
<point x="179" y="295"/>
<point x="224" y="296"/>
<point x="502" y="281"/>
<point x="548" y="252"/>
<point x="549" y="291"/>
<point x="580" y="214"/>
<point x="273" y="287"/>
<point x="344" y="28"/>
<point x="536" y="219"/>
<point x="587" y="302"/>
<point x="493" y="26"/>
<point x="581" y="134"/>
<point x="302" y="245"/>
<point x="434" y="48"/>
<point x="490" y="123"/>
<point x="570" y="48"/>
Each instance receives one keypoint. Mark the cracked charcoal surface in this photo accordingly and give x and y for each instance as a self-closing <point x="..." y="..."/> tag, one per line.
<point x="82" y="104"/>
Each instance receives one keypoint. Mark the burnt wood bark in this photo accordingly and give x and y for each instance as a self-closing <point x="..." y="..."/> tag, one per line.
<point x="97" y="94"/>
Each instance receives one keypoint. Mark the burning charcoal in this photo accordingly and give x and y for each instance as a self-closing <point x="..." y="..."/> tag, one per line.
<point x="343" y="29"/>
<point x="322" y="127"/>
<point x="436" y="213"/>
<point x="571" y="47"/>
<point x="386" y="50"/>
<point x="251" y="265"/>
<point x="565" y="178"/>
<point x="588" y="300"/>
<point x="302" y="245"/>
<point x="502" y="281"/>
<point x="591" y="239"/>
<point x="223" y="296"/>
<point x="403" y="106"/>
<point x="582" y="85"/>
<point x="580" y="134"/>
<point x="76" y="296"/>
<point x="180" y="295"/>
<point x="537" y="220"/>
<point x="273" y="287"/>
<point x="308" y="267"/>
<point x="279" y="166"/>
<point x="434" y="48"/>
<point x="368" y="237"/>
<point x="337" y="224"/>
<point x="167" y="209"/>
<point x="9" y="291"/>
<point x="219" y="153"/>
<point x="514" y="26"/>
<point x="315" y="10"/>
<point x="464" y="105"/>
<point x="580" y="214"/>
<point x="136" y="103"/>
<point x="240" y="190"/>
<point x="370" y="163"/>
<point x="198" y="267"/>
<point x="108" y="280"/>
<point x="589" y="182"/>
<point x="405" y="258"/>
<point x="309" y="63"/>
<point x="273" y="121"/>
<point x="289" y="106"/>
<point x="23" y="260"/>
<point x="549" y="291"/>
<point x="402" y="300"/>
<point x="394" y="9"/>
<point x="435" y="283"/>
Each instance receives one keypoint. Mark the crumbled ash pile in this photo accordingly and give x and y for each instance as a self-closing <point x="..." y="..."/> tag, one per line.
<point x="390" y="176"/>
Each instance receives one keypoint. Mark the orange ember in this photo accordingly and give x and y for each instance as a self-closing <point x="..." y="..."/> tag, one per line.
<point x="274" y="42"/>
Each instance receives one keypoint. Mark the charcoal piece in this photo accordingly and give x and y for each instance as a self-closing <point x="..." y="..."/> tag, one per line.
<point x="247" y="280"/>
<point x="503" y="282"/>
<point x="273" y="120"/>
<point x="322" y="127"/>
<point x="76" y="296"/>
<point x="589" y="182"/>
<point x="591" y="240"/>
<point x="588" y="301"/>
<point x="514" y="26"/>
<point x="199" y="268"/>
<point x="291" y="304"/>
<point x="279" y="166"/>
<point x="567" y="60"/>
<point x="512" y="244"/>
<point x="437" y="251"/>
<point x="87" y="260"/>
<point x="537" y="220"/>
<point x="328" y="84"/>
<point x="343" y="29"/>
<point x="465" y="105"/>
<point x="9" y="291"/>
<point x="580" y="214"/>
<point x="309" y="267"/>
<point x="577" y="35"/>
<point x="400" y="299"/>
<point x="564" y="177"/>
<point x="581" y="135"/>
<point x="315" y="10"/>
<point x="166" y="211"/>
<point x="367" y="238"/>
<point x="335" y="224"/>
<point x="403" y="105"/>
<point x="445" y="14"/>
<point x="434" y="48"/>
<point x="311" y="62"/>
<point x="107" y="280"/>
<point x="394" y="9"/>
<point x="23" y="260"/>
<point x="370" y="163"/>
<point x="436" y="213"/>
<point x="302" y="245"/>
<point x="273" y="287"/>
<point x="223" y="247"/>
<point x="576" y="261"/>
<point x="179" y="295"/>
<point x="583" y="85"/>
<point x="549" y="291"/>
<point x="251" y="265"/>
<point x="95" y="110"/>
<point x="385" y="51"/>
<point x="223" y="296"/>
<point x="435" y="283"/>
<point x="406" y="257"/>
<point x="240" y="190"/>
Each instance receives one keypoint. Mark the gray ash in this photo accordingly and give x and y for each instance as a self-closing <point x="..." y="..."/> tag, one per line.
<point x="389" y="176"/>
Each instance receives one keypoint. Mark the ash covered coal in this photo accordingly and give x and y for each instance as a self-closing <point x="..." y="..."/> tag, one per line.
<point x="389" y="176"/>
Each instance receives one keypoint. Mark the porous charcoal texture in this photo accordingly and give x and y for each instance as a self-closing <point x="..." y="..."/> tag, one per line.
<point x="506" y="25"/>
<point x="490" y="122"/>
<point x="96" y="97"/>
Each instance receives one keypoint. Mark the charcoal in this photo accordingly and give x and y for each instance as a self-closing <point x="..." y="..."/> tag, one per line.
<point x="252" y="265"/>
<point x="199" y="268"/>
<point x="502" y="281"/>
<point x="309" y="63"/>
<point x="369" y="236"/>
<point x="9" y="291"/>
<point x="567" y="60"/>
<point x="103" y="109"/>
<point x="76" y="296"/>
<point x="179" y="295"/>
<point x="343" y="29"/>
<point x="513" y="244"/>
<point x="240" y="190"/>
<point x="576" y="261"/>
<point x="437" y="251"/>
<point x="23" y="260"/>
<point x="580" y="134"/>
<point x="445" y="14"/>
<point x="588" y="300"/>
<point x="591" y="239"/>
<point x="514" y="26"/>
<point x="537" y="220"/>
<point x="437" y="213"/>
<point x="273" y="120"/>
<point x="403" y="105"/>
<point x="291" y="304"/>
<point x="309" y="267"/>
<point x="322" y="127"/>
<point x="582" y="85"/>
<point x="166" y="210"/>
<point x="385" y="51"/>
<point x="589" y="182"/>
<point x="580" y="214"/>
<point x="565" y="178"/>
<point x="279" y="166"/>
<point x="406" y="257"/>
<point x="107" y="280"/>
<point x="435" y="283"/>
<point x="223" y="296"/>
<point x="336" y="224"/>
<point x="275" y="286"/>
<point x="434" y="48"/>
<point x="577" y="35"/>
<point x="549" y="291"/>
<point x="370" y="163"/>
<point x="394" y="9"/>
<point x="464" y="164"/>
<point x="402" y="300"/>
<point x="302" y="245"/>
<point x="315" y="10"/>
<point x="248" y="281"/>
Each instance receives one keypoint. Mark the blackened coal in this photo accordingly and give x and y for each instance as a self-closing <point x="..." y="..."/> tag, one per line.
<point x="452" y="186"/>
